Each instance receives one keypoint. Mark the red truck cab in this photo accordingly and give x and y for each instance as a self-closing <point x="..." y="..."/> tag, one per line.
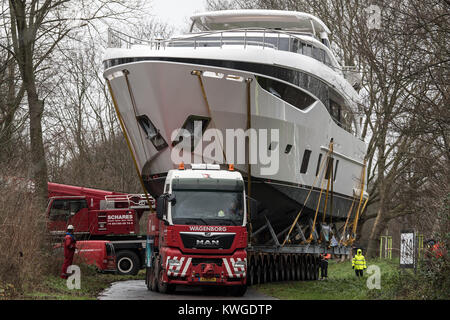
<point x="198" y="236"/>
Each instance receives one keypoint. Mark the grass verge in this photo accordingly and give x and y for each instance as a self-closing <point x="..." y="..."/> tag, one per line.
<point x="342" y="284"/>
<point x="92" y="284"/>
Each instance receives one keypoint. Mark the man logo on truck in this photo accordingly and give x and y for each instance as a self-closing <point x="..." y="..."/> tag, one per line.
<point x="207" y="243"/>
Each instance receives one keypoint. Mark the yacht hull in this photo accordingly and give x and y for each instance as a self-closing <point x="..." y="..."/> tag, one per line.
<point x="168" y="94"/>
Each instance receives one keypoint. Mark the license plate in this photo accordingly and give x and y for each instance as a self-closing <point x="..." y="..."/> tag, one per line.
<point x="207" y="279"/>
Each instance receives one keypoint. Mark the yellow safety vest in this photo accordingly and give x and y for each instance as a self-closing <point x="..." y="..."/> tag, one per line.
<point x="359" y="262"/>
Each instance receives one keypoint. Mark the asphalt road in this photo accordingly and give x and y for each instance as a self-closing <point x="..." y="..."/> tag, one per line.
<point x="137" y="290"/>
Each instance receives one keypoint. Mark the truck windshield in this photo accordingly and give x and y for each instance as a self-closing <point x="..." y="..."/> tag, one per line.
<point x="209" y="207"/>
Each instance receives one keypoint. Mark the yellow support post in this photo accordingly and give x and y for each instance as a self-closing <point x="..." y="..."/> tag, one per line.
<point x="125" y="134"/>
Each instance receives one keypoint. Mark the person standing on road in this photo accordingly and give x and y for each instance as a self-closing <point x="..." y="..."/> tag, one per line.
<point x="69" y="251"/>
<point x="359" y="263"/>
<point x="324" y="266"/>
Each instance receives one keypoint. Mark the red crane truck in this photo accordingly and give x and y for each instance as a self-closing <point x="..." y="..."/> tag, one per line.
<point x="101" y="215"/>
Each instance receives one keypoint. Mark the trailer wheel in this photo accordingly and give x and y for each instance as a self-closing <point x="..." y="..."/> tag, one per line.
<point x="250" y="273"/>
<point x="276" y="271"/>
<point x="281" y="270"/>
<point x="297" y="270"/>
<point x="258" y="274"/>
<point x="148" y="278"/>
<point x="128" y="263"/>
<point x="307" y="269"/>
<point x="270" y="272"/>
<point x="164" y="287"/>
<point x="303" y="268"/>
<point x="316" y="269"/>
<point x="289" y="271"/>
<point x="312" y="268"/>
<point x="155" y="270"/>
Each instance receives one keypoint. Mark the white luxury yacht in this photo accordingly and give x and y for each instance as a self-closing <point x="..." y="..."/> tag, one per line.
<point x="276" y="64"/>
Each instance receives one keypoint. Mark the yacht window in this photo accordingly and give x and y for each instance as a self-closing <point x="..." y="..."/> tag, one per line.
<point x="152" y="133"/>
<point x="327" y="59"/>
<point x="305" y="161"/>
<point x="270" y="41"/>
<point x="318" y="164"/>
<point x="288" y="148"/>
<point x="307" y="50"/>
<point x="288" y="93"/>
<point x="274" y="146"/>
<point x="319" y="54"/>
<point x="296" y="46"/>
<point x="191" y="122"/>
<point x="335" y="112"/>
<point x="340" y="112"/>
<point x="335" y="169"/>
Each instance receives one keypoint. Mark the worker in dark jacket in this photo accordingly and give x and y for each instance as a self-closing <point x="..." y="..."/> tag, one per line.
<point x="359" y="263"/>
<point x="69" y="251"/>
<point x="324" y="266"/>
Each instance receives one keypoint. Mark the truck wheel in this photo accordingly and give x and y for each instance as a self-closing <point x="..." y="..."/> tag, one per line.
<point x="155" y="270"/>
<point x="148" y="278"/>
<point x="164" y="287"/>
<point x="239" y="291"/>
<point x="127" y="263"/>
<point x="251" y="274"/>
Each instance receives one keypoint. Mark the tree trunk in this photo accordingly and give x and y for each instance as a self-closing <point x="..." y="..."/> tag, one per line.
<point x="380" y="220"/>
<point x="377" y="229"/>
<point x="38" y="162"/>
<point x="23" y="42"/>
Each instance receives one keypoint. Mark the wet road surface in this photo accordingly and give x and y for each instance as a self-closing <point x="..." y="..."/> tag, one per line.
<point x="137" y="290"/>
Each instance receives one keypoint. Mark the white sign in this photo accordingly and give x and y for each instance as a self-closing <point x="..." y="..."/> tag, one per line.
<point x="407" y="250"/>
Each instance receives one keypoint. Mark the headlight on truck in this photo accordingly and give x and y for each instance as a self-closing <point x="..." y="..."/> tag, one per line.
<point x="240" y="264"/>
<point x="173" y="262"/>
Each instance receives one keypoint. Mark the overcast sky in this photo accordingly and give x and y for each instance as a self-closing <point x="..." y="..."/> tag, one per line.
<point x="176" y="13"/>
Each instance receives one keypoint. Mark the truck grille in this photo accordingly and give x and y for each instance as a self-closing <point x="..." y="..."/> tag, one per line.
<point x="207" y="240"/>
<point x="197" y="261"/>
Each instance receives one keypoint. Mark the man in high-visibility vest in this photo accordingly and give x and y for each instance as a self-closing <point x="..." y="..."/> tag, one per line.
<point x="359" y="263"/>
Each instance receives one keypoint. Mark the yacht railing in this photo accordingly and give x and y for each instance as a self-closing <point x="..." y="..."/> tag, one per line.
<point x="118" y="39"/>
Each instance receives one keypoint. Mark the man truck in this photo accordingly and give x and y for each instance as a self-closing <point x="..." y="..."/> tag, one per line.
<point x="101" y="215"/>
<point x="198" y="236"/>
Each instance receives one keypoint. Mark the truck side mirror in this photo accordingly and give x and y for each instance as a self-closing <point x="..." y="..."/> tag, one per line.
<point x="171" y="198"/>
<point x="160" y="206"/>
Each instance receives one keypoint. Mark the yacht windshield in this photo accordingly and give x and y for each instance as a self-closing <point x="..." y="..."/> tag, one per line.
<point x="208" y="207"/>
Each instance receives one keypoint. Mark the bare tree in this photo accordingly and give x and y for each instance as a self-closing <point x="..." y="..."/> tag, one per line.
<point x="84" y="137"/>
<point x="36" y="30"/>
